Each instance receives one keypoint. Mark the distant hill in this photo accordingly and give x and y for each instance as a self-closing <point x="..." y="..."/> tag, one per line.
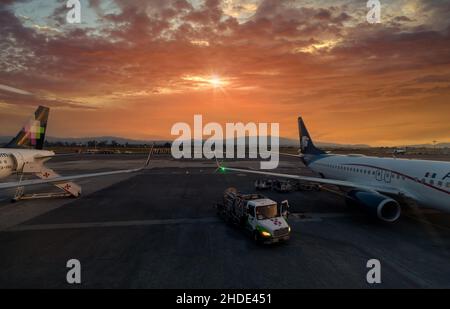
<point x="284" y="142"/>
<point x="334" y="145"/>
<point x="84" y="140"/>
<point x="440" y="145"/>
<point x="109" y="139"/>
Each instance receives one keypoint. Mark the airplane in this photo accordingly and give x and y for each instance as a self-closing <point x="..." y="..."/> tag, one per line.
<point x="24" y="155"/>
<point x="378" y="185"/>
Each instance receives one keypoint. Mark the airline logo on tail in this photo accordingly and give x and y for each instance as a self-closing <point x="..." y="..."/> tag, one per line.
<point x="304" y="143"/>
<point x="33" y="131"/>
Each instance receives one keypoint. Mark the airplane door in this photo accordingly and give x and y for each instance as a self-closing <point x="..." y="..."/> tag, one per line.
<point x="379" y="175"/>
<point x="387" y="177"/>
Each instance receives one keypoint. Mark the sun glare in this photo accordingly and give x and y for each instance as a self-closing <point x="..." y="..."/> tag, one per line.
<point x="216" y="82"/>
<point x="207" y="82"/>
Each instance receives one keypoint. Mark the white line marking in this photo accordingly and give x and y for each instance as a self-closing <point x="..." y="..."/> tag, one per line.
<point x="316" y="217"/>
<point x="65" y="226"/>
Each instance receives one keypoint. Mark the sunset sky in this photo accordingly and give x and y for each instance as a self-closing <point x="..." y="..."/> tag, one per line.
<point x="134" y="68"/>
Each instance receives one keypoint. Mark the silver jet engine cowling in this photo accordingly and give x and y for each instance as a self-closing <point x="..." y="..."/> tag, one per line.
<point x="382" y="207"/>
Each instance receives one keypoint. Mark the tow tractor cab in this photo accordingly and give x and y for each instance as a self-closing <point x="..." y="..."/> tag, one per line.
<point x="264" y="218"/>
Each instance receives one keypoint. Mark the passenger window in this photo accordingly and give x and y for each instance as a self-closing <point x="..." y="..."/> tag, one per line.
<point x="440" y="183"/>
<point x="431" y="182"/>
<point x="434" y="176"/>
<point x="427" y="175"/>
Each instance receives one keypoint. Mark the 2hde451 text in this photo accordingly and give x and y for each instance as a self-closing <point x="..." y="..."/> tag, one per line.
<point x="225" y="299"/>
<point x="246" y="298"/>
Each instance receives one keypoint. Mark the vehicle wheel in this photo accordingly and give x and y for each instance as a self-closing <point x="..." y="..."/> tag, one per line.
<point x="256" y="237"/>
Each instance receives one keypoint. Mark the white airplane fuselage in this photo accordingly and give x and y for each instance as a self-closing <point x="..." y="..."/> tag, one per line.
<point x="22" y="160"/>
<point x="426" y="182"/>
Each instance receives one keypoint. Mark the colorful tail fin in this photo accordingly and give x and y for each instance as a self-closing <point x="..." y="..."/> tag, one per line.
<point x="306" y="143"/>
<point x="32" y="134"/>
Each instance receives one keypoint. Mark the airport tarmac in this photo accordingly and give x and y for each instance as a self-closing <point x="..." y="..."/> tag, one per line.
<point x="159" y="229"/>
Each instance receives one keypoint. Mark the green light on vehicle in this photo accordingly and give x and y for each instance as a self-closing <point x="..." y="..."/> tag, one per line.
<point x="222" y="169"/>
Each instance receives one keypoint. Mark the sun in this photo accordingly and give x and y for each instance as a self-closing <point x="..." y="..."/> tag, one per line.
<point x="216" y="82"/>
<point x="212" y="81"/>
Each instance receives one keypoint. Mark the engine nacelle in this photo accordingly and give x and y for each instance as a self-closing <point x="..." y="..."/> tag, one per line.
<point x="7" y="165"/>
<point x="19" y="161"/>
<point x="377" y="205"/>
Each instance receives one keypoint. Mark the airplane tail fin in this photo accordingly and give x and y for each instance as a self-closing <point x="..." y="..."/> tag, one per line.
<point x="306" y="143"/>
<point x="32" y="134"/>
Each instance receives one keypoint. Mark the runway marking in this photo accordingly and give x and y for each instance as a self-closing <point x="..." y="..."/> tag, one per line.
<point x="66" y="226"/>
<point x="316" y="217"/>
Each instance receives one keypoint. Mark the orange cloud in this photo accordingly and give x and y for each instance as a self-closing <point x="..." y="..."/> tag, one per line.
<point x="136" y="70"/>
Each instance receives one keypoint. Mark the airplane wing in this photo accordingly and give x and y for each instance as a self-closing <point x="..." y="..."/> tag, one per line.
<point x="55" y="155"/>
<point x="63" y="179"/>
<point x="339" y="183"/>
<point x="272" y="152"/>
<point x="290" y="155"/>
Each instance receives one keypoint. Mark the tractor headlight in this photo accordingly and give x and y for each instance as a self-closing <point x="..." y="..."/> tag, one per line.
<point x="265" y="234"/>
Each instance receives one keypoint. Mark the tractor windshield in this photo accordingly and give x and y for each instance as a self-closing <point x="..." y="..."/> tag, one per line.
<point x="266" y="212"/>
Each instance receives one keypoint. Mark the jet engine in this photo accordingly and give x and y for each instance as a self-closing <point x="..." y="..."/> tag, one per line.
<point x="8" y="165"/>
<point x="377" y="205"/>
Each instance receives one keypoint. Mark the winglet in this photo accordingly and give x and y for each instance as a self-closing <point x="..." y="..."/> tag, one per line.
<point x="149" y="156"/>
<point x="217" y="160"/>
<point x="219" y="165"/>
